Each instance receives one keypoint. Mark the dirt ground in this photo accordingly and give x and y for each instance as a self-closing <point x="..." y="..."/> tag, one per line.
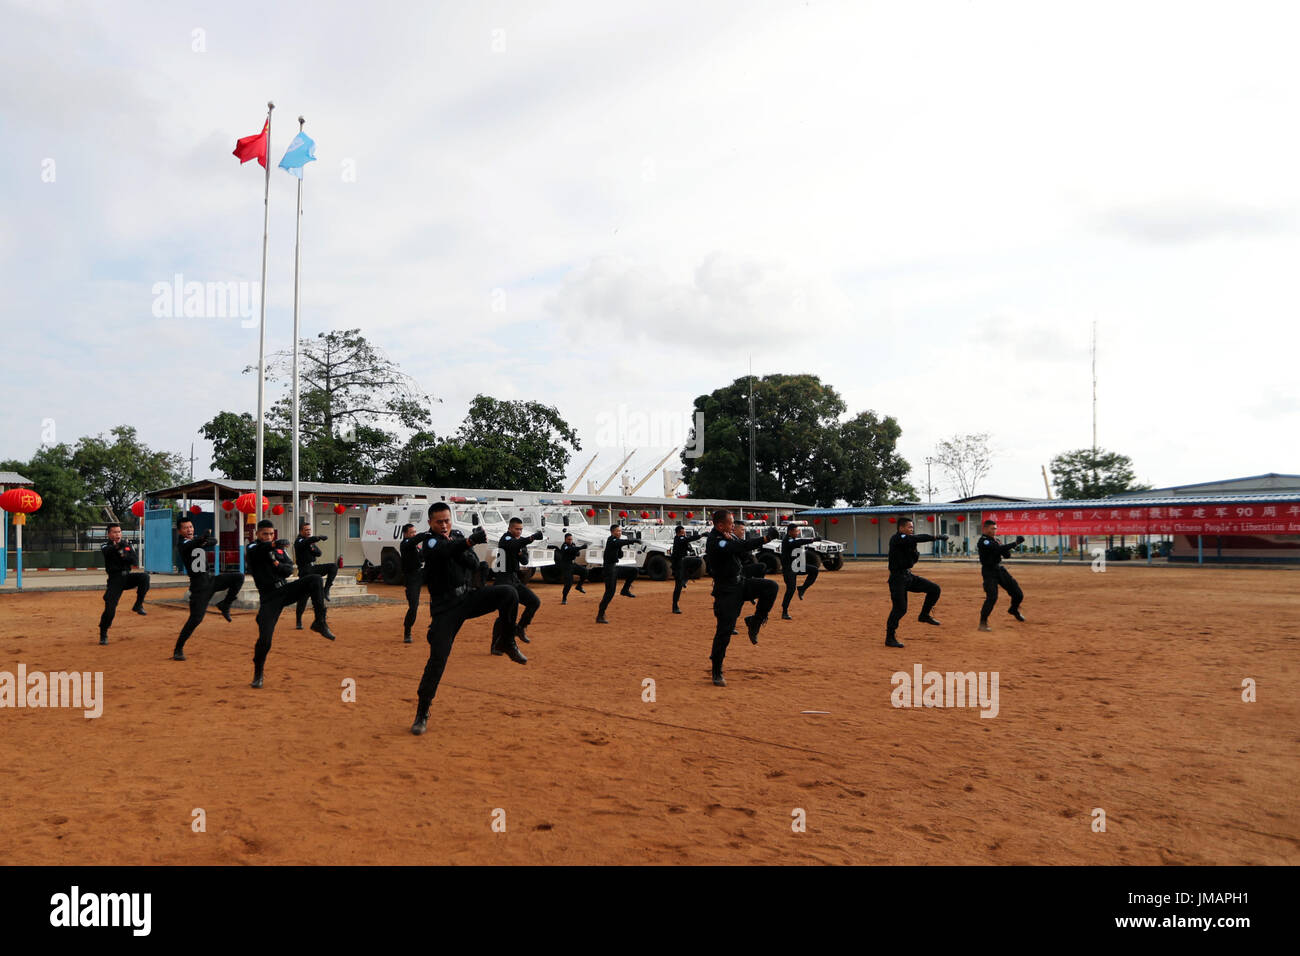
<point x="1122" y="691"/>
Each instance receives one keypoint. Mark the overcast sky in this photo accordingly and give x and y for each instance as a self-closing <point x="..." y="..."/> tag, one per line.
<point x="594" y="204"/>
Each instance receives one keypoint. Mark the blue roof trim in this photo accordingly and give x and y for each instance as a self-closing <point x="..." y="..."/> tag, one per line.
<point x="1057" y="504"/>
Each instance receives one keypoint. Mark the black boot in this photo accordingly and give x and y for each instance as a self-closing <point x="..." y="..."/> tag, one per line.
<point x="299" y="623"/>
<point x="1015" y="612"/>
<point x="103" y="635"/>
<point x="224" y="608"/>
<point x="785" y="615"/>
<point x="927" y="619"/>
<point x="892" y="641"/>
<point x="522" y="634"/>
<point x="323" y="629"/>
<point x="754" y="623"/>
<point x="421" y="721"/>
<point x="984" y="626"/>
<point x="676" y="609"/>
<point x="718" y="679"/>
<point x="257" y="679"/>
<point x="406" y="638"/>
<point x="138" y="608"/>
<point x="178" y="654"/>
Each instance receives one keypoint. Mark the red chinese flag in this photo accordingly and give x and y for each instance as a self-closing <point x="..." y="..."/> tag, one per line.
<point x="253" y="147"/>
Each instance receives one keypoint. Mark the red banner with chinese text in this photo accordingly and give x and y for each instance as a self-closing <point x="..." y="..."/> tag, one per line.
<point x="1256" y="518"/>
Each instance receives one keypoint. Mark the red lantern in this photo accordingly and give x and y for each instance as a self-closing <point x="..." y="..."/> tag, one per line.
<point x="247" y="503"/>
<point x="622" y="514"/>
<point x="21" y="501"/>
<point x="875" y="521"/>
<point x="227" y="505"/>
<point x="690" y="514"/>
<point x="957" y="519"/>
<point x="137" y="509"/>
<point x="672" y="514"/>
<point x="893" y="520"/>
<point x="930" y="519"/>
<point x="195" y="509"/>
<point x="764" y="515"/>
<point x="645" y="514"/>
<point x="277" y="509"/>
<point x="835" y="521"/>
<point x="339" y="509"/>
<point x="591" y="512"/>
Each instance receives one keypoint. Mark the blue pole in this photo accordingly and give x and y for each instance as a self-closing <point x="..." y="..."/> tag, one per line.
<point x="4" y="544"/>
<point x="1200" y="555"/>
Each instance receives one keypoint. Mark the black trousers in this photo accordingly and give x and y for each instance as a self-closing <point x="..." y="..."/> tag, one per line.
<point x="448" y="616"/>
<point x="567" y="573"/>
<point x="414" y="585"/>
<point x="327" y="571"/>
<point x="791" y="582"/>
<point x="311" y="587"/>
<point x="727" y="605"/>
<point x="612" y="573"/>
<point x="529" y="601"/>
<point x="682" y="573"/>
<point x="992" y="579"/>
<point x="113" y="593"/>
<point x="900" y="583"/>
<point x="201" y="591"/>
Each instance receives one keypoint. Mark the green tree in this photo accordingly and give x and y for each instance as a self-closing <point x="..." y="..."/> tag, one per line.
<point x="500" y="444"/>
<point x="350" y="396"/>
<point x="1089" y="473"/>
<point x="803" y="451"/>
<point x="116" y="472"/>
<point x="65" y="502"/>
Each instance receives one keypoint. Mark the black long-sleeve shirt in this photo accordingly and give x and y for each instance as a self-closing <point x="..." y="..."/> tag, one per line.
<point x="269" y="564"/>
<point x="194" y="556"/>
<point x="789" y="544"/>
<point x="992" y="552"/>
<point x="516" y="549"/>
<point x="614" y="549"/>
<point x="566" y="554"/>
<point x="448" y="565"/>
<point x="727" y="558"/>
<point x="305" y="551"/>
<point x="682" y="545"/>
<point x="902" y="550"/>
<point x="119" y="558"/>
<point x="409" y="551"/>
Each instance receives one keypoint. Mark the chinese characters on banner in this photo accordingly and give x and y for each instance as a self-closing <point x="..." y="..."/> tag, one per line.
<point x="1255" y="518"/>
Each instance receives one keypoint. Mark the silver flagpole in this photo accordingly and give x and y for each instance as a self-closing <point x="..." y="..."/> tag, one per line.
<point x="261" y="329"/>
<point x="297" y="267"/>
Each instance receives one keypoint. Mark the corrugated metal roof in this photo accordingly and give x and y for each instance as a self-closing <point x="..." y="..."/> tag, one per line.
<point x="1056" y="504"/>
<point x="204" y="487"/>
<point x="13" y="478"/>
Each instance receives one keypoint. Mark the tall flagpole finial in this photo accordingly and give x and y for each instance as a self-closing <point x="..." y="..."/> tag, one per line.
<point x="270" y="105"/>
<point x="300" y="122"/>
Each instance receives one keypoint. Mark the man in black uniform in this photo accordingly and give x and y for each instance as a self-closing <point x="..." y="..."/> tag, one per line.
<point x="902" y="556"/>
<point x="991" y="554"/>
<point x="513" y="552"/>
<point x="412" y="575"/>
<point x="792" y="564"/>
<point x="614" y="546"/>
<point x="725" y="554"/>
<point x="267" y="560"/>
<point x="119" y="558"/>
<point x="449" y="565"/>
<point x="305" y="554"/>
<point x="684" y="563"/>
<point x="203" y="583"/>
<point x="565" y="556"/>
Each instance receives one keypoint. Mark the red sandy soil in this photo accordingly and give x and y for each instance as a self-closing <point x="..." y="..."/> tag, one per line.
<point x="1122" y="691"/>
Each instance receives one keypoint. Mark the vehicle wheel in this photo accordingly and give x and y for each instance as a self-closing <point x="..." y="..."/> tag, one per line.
<point x="390" y="567"/>
<point x="833" y="562"/>
<point x="656" y="567"/>
<point x="694" y="567"/>
<point x="771" y="563"/>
